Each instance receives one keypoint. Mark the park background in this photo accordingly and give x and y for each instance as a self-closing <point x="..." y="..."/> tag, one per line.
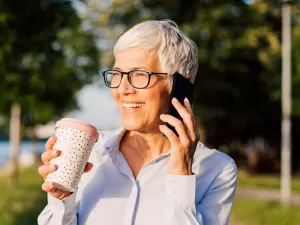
<point x="52" y="53"/>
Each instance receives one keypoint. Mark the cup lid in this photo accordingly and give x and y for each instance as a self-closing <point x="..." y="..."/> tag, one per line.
<point x="79" y="125"/>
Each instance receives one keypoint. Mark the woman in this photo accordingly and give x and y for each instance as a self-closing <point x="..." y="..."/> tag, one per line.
<point x="143" y="173"/>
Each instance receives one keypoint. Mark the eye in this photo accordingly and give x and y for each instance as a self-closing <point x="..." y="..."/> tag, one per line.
<point x="115" y="73"/>
<point x="139" y="73"/>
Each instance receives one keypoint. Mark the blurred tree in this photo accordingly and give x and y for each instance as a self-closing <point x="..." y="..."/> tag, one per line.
<point x="46" y="56"/>
<point x="239" y="77"/>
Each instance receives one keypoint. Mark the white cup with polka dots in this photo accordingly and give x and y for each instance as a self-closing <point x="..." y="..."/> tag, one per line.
<point x="75" y="139"/>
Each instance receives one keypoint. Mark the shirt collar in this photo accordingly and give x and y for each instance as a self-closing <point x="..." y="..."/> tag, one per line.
<point x="112" y="141"/>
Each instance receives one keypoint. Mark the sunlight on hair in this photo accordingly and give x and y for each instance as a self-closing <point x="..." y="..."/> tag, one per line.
<point x="176" y="52"/>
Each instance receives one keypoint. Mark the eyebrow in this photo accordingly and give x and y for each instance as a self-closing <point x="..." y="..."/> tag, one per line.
<point x="116" y="68"/>
<point x="133" y="68"/>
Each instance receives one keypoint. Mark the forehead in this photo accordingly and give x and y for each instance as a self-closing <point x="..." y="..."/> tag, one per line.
<point x="136" y="58"/>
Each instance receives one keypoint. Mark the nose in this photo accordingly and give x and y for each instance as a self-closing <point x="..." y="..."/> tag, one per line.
<point x="125" y="87"/>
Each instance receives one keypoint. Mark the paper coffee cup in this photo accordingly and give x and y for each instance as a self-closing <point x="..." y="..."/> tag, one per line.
<point x="75" y="139"/>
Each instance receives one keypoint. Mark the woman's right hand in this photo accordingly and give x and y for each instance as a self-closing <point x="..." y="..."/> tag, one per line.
<point x="47" y="168"/>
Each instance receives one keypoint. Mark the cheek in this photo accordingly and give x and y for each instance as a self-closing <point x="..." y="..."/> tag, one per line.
<point x="114" y="94"/>
<point x="160" y="102"/>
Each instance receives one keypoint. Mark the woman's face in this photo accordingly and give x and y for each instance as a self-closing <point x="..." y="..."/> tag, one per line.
<point x="140" y="108"/>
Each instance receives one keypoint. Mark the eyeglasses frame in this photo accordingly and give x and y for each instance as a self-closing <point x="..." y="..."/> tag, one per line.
<point x="129" y="79"/>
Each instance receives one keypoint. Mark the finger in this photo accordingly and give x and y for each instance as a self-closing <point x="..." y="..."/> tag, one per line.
<point x="88" y="167"/>
<point x="184" y="113"/>
<point x="50" y="142"/>
<point x="44" y="170"/>
<point x="189" y="108"/>
<point x="179" y="127"/>
<point x="51" y="188"/>
<point x="48" y="155"/>
<point x="187" y="116"/>
<point x="189" y="121"/>
<point x="174" y="140"/>
<point x="48" y="187"/>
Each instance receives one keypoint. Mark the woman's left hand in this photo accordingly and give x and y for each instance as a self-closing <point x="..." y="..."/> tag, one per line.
<point x="184" y="146"/>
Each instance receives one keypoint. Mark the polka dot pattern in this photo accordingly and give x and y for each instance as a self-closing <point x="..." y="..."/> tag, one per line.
<point x="75" y="147"/>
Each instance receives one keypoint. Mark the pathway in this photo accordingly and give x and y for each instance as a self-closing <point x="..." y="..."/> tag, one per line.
<point x="265" y="194"/>
<point x="261" y="194"/>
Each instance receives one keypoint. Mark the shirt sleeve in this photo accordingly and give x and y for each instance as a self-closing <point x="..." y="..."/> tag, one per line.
<point x="214" y="208"/>
<point x="180" y="208"/>
<point x="61" y="212"/>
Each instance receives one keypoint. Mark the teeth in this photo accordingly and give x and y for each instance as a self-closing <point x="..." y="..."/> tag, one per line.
<point x="132" y="105"/>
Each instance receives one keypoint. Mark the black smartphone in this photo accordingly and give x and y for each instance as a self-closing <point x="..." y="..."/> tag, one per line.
<point x="181" y="88"/>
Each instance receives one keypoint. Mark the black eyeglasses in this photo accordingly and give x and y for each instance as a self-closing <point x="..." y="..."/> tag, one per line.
<point x="137" y="78"/>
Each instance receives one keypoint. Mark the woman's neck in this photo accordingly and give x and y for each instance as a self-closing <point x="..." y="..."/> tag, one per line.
<point x="146" y="145"/>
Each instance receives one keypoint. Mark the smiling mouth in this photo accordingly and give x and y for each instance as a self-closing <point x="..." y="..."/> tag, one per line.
<point x="134" y="105"/>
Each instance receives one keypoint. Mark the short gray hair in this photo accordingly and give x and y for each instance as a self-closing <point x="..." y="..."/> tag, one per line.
<point x="176" y="52"/>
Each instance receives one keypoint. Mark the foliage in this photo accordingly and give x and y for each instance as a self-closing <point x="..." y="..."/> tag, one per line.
<point x="45" y="57"/>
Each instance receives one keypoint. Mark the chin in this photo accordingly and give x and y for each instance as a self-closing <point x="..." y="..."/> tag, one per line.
<point x="132" y="125"/>
<point x="138" y="125"/>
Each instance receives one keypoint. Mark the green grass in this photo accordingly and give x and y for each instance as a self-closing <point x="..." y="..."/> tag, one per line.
<point x="264" y="181"/>
<point x="254" y="212"/>
<point x="22" y="205"/>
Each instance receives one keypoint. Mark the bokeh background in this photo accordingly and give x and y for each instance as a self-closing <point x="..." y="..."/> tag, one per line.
<point x="51" y="56"/>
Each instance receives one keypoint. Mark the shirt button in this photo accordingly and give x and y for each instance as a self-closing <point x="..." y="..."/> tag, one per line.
<point x="172" y="192"/>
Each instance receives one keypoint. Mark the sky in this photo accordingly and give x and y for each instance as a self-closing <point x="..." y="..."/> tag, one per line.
<point x="97" y="107"/>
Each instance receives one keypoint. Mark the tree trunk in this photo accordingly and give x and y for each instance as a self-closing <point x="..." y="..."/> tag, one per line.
<point x="15" y="139"/>
<point x="34" y="145"/>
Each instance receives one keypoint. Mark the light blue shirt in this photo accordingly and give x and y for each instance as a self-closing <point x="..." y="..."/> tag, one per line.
<point x="110" y="195"/>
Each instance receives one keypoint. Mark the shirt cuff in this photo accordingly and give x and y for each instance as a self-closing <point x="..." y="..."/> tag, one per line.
<point x="61" y="205"/>
<point x="182" y="190"/>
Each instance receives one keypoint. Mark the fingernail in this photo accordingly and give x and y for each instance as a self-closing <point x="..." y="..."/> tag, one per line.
<point x="188" y="77"/>
<point x="57" y="152"/>
<point x="175" y="99"/>
<point x="187" y="100"/>
<point x="162" y="115"/>
<point x="53" y="188"/>
<point x="52" y="166"/>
